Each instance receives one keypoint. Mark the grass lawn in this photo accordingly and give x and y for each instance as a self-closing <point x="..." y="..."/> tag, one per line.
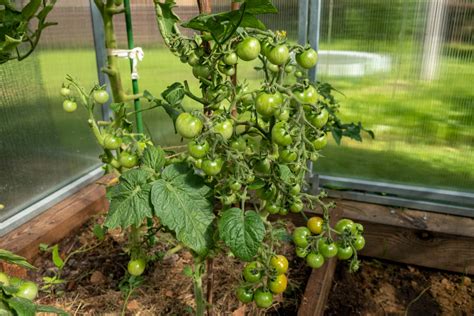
<point x="424" y="130"/>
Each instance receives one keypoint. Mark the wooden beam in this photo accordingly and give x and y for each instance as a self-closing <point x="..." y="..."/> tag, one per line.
<point x="57" y="222"/>
<point x="420" y="238"/>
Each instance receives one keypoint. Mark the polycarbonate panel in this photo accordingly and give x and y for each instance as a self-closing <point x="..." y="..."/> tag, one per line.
<point x="406" y="69"/>
<point x="42" y="148"/>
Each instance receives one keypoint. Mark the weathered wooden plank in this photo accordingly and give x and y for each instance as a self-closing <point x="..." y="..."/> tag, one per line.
<point x="439" y="241"/>
<point x="57" y="222"/>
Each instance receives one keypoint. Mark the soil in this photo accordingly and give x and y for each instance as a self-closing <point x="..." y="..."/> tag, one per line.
<point x="92" y="279"/>
<point x="383" y="288"/>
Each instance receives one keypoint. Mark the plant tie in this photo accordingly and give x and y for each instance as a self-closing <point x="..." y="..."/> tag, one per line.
<point x="136" y="54"/>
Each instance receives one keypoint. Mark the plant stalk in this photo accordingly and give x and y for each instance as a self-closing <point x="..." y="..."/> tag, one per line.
<point x="197" y="283"/>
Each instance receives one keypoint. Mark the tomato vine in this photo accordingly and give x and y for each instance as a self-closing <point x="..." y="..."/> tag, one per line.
<point x="245" y="156"/>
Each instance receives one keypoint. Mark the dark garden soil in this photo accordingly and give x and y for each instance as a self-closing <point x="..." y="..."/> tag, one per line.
<point x="379" y="288"/>
<point x="383" y="288"/>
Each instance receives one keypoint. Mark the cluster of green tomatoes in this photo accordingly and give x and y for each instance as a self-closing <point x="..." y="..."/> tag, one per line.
<point x="262" y="281"/>
<point x="19" y="287"/>
<point x="120" y="149"/>
<point x="242" y="136"/>
<point x="316" y="244"/>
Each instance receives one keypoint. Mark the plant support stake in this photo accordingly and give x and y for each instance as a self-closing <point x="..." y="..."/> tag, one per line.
<point x="131" y="44"/>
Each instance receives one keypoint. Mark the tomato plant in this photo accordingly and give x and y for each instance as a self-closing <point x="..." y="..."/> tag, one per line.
<point x="243" y="153"/>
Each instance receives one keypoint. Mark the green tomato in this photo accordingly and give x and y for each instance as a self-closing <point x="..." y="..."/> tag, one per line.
<point x="193" y="59"/>
<point x="282" y="114"/>
<point x="198" y="150"/>
<point x="314" y="260"/>
<point x="308" y="96"/>
<point x="65" y="92"/>
<point x="344" y="253"/>
<point x="252" y="272"/>
<point x="279" y="263"/>
<point x="4" y="279"/>
<point x="328" y="250"/>
<point x="136" y="267"/>
<point x="298" y="74"/>
<point x="226" y="70"/>
<point x="197" y="163"/>
<point x="295" y="189"/>
<point x="239" y="144"/>
<point x="345" y="224"/>
<point x="266" y="103"/>
<point x="307" y="59"/>
<point x="272" y="208"/>
<point x="359" y="242"/>
<point x="359" y="228"/>
<point x="278" y="284"/>
<point x="69" y="106"/>
<point x="263" y="166"/>
<point x="287" y="155"/>
<point x="250" y="178"/>
<point x="112" y="142"/>
<point x="28" y="290"/>
<point x="212" y="167"/>
<point x="266" y="48"/>
<point x="280" y="134"/>
<point x="201" y="71"/>
<point x="296" y="206"/>
<point x="272" y="67"/>
<point x="320" y="119"/>
<point x="230" y="59"/>
<point x="301" y="252"/>
<point x="244" y="294"/>
<point x="320" y="142"/>
<point x="283" y="211"/>
<point x="289" y="69"/>
<point x="188" y="126"/>
<point x="128" y="160"/>
<point x="300" y="236"/>
<point x="248" y="49"/>
<point x="101" y="96"/>
<point x="235" y="186"/>
<point x="225" y="129"/>
<point x="263" y="299"/>
<point x="278" y="55"/>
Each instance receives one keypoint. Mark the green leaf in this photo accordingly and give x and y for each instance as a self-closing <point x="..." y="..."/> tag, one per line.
<point x="166" y="17"/>
<point x="99" y="231"/>
<point x="129" y="200"/>
<point x="285" y="173"/>
<point x="50" y="309"/>
<point x="174" y="94"/>
<point x="58" y="262"/>
<point x="10" y="257"/>
<point x="257" y="184"/>
<point x="260" y="7"/>
<point x="30" y="9"/>
<point x="22" y="306"/>
<point x="242" y="232"/>
<point x="153" y="158"/>
<point x="180" y="200"/>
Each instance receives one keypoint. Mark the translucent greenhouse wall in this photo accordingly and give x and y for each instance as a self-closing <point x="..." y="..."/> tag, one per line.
<point x="43" y="148"/>
<point x="406" y="69"/>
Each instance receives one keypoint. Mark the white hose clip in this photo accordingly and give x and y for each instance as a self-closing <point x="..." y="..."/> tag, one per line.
<point x="135" y="55"/>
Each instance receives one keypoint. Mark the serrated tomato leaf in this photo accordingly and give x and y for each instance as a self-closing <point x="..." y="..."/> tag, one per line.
<point x="180" y="200"/>
<point x="129" y="200"/>
<point x="242" y="232"/>
<point x="153" y="158"/>
<point x="22" y="306"/>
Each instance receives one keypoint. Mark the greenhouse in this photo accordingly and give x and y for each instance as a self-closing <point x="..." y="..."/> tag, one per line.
<point x="251" y="157"/>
